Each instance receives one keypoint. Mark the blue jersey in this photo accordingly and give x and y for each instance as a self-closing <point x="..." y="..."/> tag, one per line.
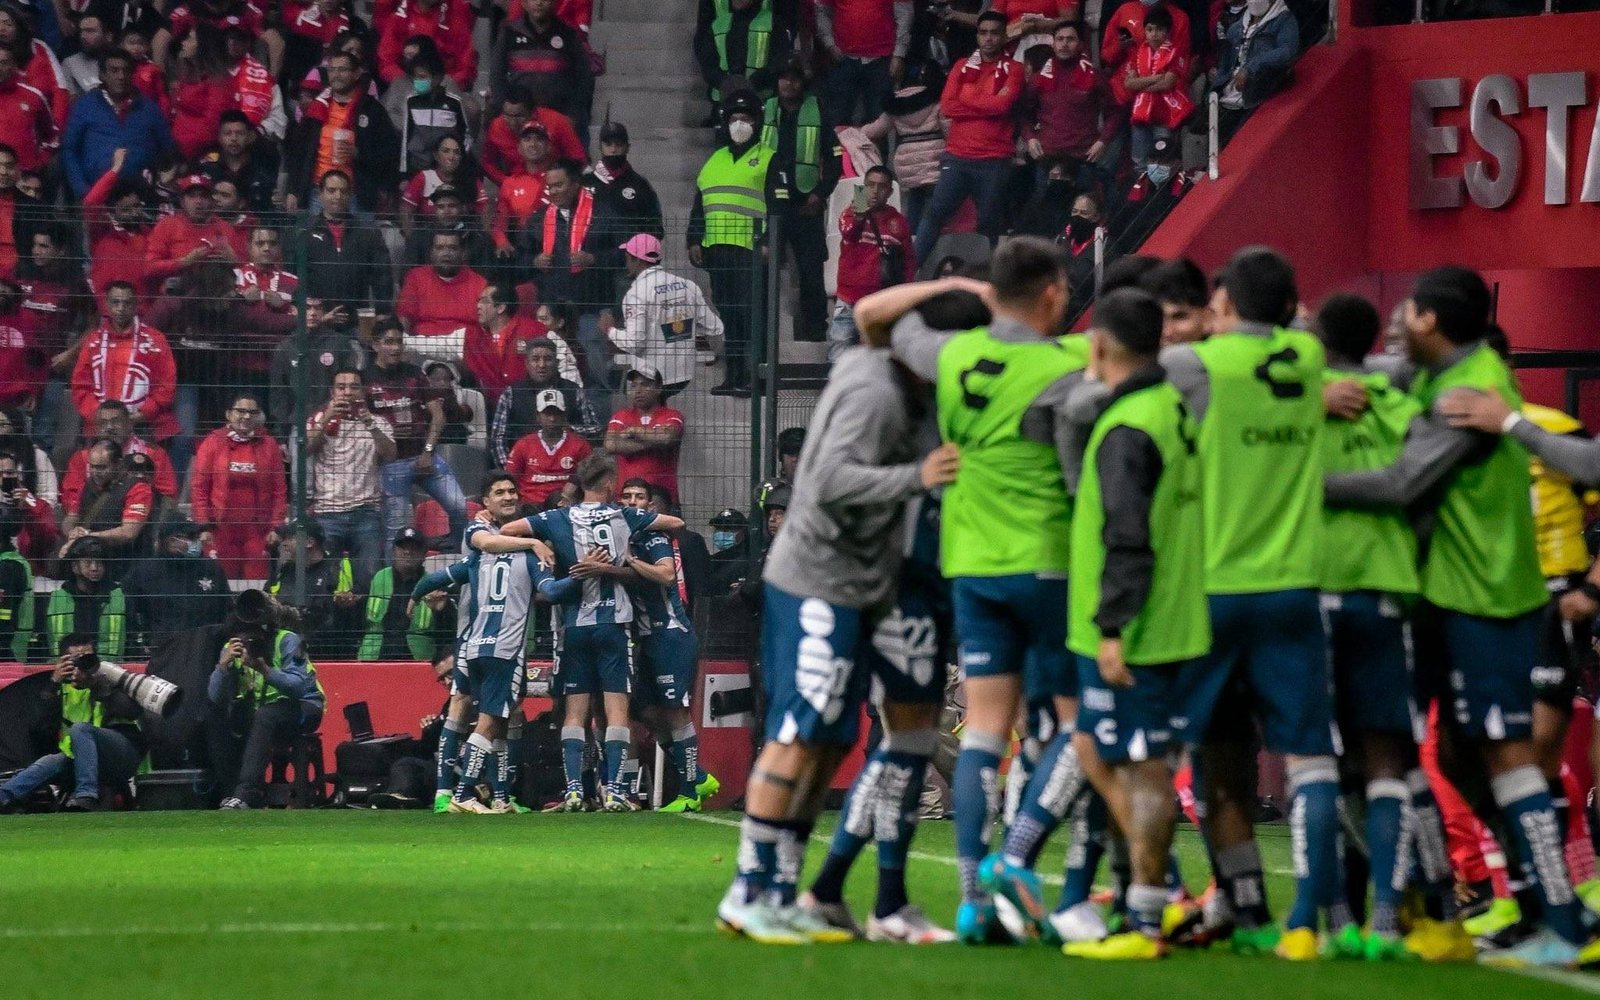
<point x="499" y="596"/>
<point x="660" y="605"/>
<point x="572" y="532"/>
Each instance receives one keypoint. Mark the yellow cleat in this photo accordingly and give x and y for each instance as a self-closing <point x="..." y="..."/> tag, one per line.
<point x="1298" y="945"/>
<point x="1589" y="892"/>
<point x="1181" y="919"/>
<point x="1589" y="954"/>
<point x="1129" y="946"/>
<point x="1440" y="941"/>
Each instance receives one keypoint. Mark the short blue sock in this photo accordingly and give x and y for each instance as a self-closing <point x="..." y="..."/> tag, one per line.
<point x="1427" y="837"/>
<point x="616" y="748"/>
<point x="1145" y="904"/>
<point x="1524" y="798"/>
<point x="975" y="794"/>
<point x="573" y="739"/>
<point x="1314" y="835"/>
<point x="686" y="758"/>
<point x="1090" y="820"/>
<point x="1386" y="798"/>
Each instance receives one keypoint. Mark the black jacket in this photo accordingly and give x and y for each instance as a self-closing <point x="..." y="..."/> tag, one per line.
<point x="628" y="198"/>
<point x="429" y="118"/>
<point x="552" y="64"/>
<point x="169" y="594"/>
<point x="377" y="151"/>
<point x="590" y="289"/>
<point x="354" y="272"/>
<point x="256" y="180"/>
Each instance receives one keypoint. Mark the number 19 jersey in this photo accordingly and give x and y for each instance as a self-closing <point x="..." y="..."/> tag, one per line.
<point x="572" y="532"/>
<point x="1008" y="512"/>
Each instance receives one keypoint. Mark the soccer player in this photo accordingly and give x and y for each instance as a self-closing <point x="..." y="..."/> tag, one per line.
<point x="1485" y="596"/>
<point x="908" y="655"/>
<point x="1004" y="549"/>
<point x="590" y="540"/>
<point x="829" y="585"/>
<point x="1369" y="583"/>
<point x="1254" y="388"/>
<point x="1138" y="620"/>
<point x="504" y="572"/>
<point x="668" y="652"/>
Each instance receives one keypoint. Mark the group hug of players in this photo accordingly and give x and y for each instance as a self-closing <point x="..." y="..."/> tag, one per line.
<point x="611" y="573"/>
<point x="1138" y="553"/>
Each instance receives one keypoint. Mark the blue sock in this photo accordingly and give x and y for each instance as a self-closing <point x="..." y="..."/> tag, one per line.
<point x="478" y="750"/>
<point x="857" y="822"/>
<point x="906" y="765"/>
<point x="1425" y="838"/>
<point x="513" y="754"/>
<point x="1314" y="839"/>
<point x="975" y="795"/>
<point x="1055" y="784"/>
<point x="1524" y="798"/>
<point x="686" y="758"/>
<point x="444" y="768"/>
<point x="791" y="853"/>
<point x="617" y="740"/>
<point x="498" y="769"/>
<point x="1386" y="799"/>
<point x="572" y="740"/>
<point x="1089" y="823"/>
<point x="758" y="857"/>
<point x="1121" y="870"/>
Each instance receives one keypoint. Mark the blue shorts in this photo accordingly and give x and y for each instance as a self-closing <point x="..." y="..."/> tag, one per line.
<point x="1016" y="624"/>
<point x="909" y="649"/>
<point x="668" y="659"/>
<point x="497" y="685"/>
<point x="1269" y="662"/>
<point x="1491" y="663"/>
<point x="595" y="659"/>
<point x="809" y="655"/>
<point x="1369" y="640"/>
<point x="1146" y="721"/>
<point x="460" y="683"/>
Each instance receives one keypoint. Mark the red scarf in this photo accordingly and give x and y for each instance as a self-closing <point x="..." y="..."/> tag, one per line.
<point x="582" y="215"/>
<point x="1078" y="75"/>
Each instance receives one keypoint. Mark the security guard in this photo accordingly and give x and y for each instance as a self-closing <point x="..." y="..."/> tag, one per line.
<point x="391" y="633"/>
<point x="742" y="40"/>
<point x="806" y="163"/>
<point x="728" y="219"/>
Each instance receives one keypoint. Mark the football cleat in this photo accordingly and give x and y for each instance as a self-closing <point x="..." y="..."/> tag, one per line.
<point x="441" y="802"/>
<point x="835" y="915"/>
<point x="234" y="802"/>
<point x="1124" y="947"/>
<point x="502" y="807"/>
<point x="518" y="807"/>
<point x="1545" y="949"/>
<point x="707" y="787"/>
<point x="1502" y="913"/>
<point x="1183" y="923"/>
<point x="681" y="804"/>
<point x="1077" y="923"/>
<point x="1589" y="954"/>
<point x="467" y="806"/>
<point x="1440" y="941"/>
<point x="812" y="927"/>
<point x="907" y="925"/>
<point x="615" y="803"/>
<point x="1020" y="887"/>
<point x="1255" y="940"/>
<point x="1347" y="942"/>
<point x="977" y="923"/>
<point x="572" y="802"/>
<point x="1297" y="945"/>
<point x="1377" y="947"/>
<point x="759" y="921"/>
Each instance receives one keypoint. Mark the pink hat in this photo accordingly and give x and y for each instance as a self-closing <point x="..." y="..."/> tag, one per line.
<point x="643" y="246"/>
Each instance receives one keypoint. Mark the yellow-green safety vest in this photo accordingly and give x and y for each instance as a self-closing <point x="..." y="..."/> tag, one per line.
<point x="22" y="636"/>
<point x="254" y="687"/>
<point x="733" y="193"/>
<point x="418" y="637"/>
<point x="807" y="141"/>
<point x="758" y="43"/>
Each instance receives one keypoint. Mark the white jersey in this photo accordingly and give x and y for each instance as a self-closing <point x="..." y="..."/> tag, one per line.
<point x="661" y="315"/>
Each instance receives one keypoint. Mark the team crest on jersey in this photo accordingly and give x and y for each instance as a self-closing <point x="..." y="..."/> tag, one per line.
<point x="556" y="42"/>
<point x="629" y="194"/>
<point x="326" y="359"/>
<point x="361" y="122"/>
<point x="566" y="462"/>
<point x="24" y="106"/>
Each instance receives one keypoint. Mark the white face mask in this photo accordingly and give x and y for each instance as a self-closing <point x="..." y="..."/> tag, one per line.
<point x="1257" y="8"/>
<point x="740" y="131"/>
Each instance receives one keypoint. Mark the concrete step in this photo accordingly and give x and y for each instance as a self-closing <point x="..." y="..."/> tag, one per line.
<point x="617" y="36"/>
<point x="645" y="11"/>
<point x="664" y="62"/>
<point x="636" y="106"/>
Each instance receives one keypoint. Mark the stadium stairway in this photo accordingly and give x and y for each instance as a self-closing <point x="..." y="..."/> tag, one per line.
<point x="652" y="85"/>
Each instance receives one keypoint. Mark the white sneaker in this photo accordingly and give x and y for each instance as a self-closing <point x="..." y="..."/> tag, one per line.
<point x="757" y="921"/>
<point x="907" y="925"/>
<point x="468" y="806"/>
<point x="233" y="802"/>
<point x="833" y="914"/>
<point x="1082" y="922"/>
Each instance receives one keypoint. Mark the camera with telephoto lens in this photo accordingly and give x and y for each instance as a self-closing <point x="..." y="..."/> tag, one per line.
<point x="9" y="484"/>
<point x="155" y="695"/>
<point x="89" y="663"/>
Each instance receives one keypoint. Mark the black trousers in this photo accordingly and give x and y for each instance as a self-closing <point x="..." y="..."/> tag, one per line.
<point x="731" y="271"/>
<point x="804" y="238"/>
<point x="241" y="741"/>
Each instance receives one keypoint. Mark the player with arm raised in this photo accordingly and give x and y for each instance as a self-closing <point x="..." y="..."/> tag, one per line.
<point x="829" y="585"/>
<point x="590" y="540"/>
<point x="1006" y="526"/>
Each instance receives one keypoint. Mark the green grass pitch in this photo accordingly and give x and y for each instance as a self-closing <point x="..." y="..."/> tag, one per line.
<point x="350" y="905"/>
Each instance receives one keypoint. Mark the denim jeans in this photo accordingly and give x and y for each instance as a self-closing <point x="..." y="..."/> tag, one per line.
<point x="359" y="533"/>
<point x="241" y="742"/>
<point x="399" y="476"/>
<point x="1143" y="139"/>
<point x="913" y="203"/>
<point x="851" y="82"/>
<point x="959" y="178"/>
<point x="597" y="353"/>
<point x="100" y="756"/>
<point x="842" y="331"/>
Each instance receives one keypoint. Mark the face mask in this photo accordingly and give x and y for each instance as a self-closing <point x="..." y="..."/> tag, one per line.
<point x="722" y="540"/>
<point x="1056" y="189"/>
<point x="1257" y="7"/>
<point x="741" y="132"/>
<point x="1082" y="229"/>
<point x="1159" y="173"/>
<point x="614" y="163"/>
<point x="423" y="86"/>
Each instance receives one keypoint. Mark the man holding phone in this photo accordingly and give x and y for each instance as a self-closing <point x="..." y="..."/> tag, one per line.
<point x="347" y="443"/>
<point x="874" y="253"/>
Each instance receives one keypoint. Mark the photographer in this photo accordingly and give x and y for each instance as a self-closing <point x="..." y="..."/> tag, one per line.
<point x="101" y="742"/>
<point x="264" y="692"/>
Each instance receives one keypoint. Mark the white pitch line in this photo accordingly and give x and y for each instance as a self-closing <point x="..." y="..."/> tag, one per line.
<point x="365" y="927"/>
<point x="1586" y="982"/>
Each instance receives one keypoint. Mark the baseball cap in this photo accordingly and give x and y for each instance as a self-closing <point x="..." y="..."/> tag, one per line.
<point x="794" y="68"/>
<point x="409" y="536"/>
<point x="87" y="548"/>
<point x="644" y="247"/>
<point x="140" y="463"/>
<point x="447" y="191"/>
<point x="778" y="498"/>
<point x="728" y="517"/>
<point x="429" y="366"/>
<point x="535" y="127"/>
<point x="614" y="132"/>
<point x="186" y="528"/>
<point x="192" y="181"/>
<point x="548" y="398"/>
<point x="644" y="369"/>
<point x="310" y="528"/>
